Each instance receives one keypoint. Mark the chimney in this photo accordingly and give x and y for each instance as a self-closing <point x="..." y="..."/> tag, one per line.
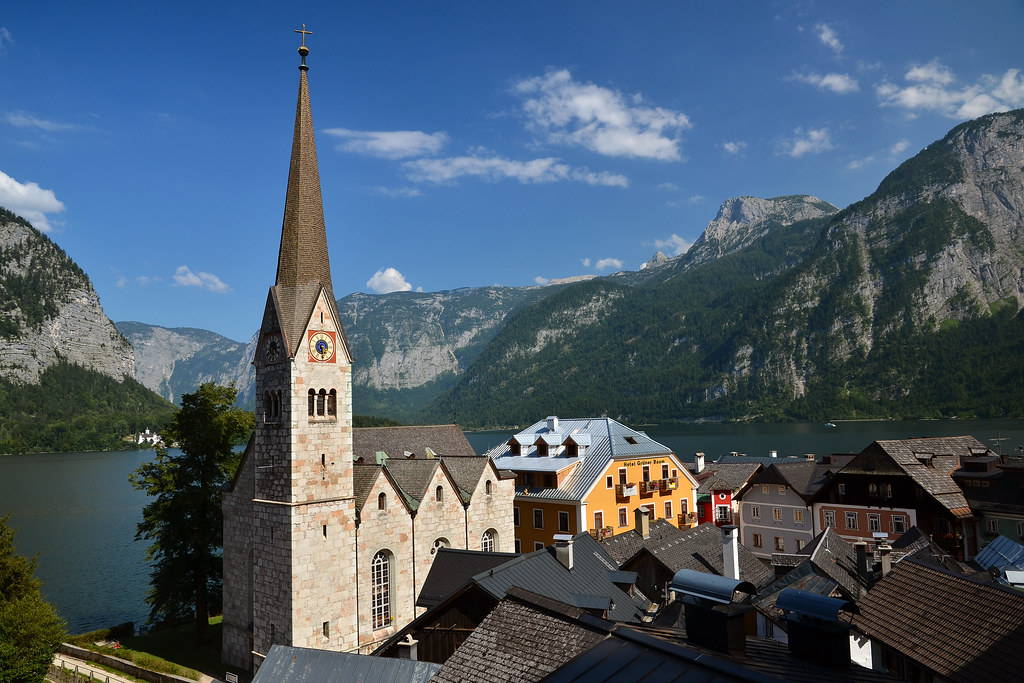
<point x="883" y="550"/>
<point x="407" y="647"/>
<point x="731" y="552"/>
<point x="642" y="522"/>
<point x="862" y="560"/>
<point x="773" y="453"/>
<point x="563" y="549"/>
<point x="552" y="423"/>
<point x="698" y="459"/>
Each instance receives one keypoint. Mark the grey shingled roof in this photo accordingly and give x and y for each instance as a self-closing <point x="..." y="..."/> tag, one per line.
<point x="835" y="558"/>
<point x="396" y="441"/>
<point x="624" y="546"/>
<point x="609" y="440"/>
<point x="539" y="572"/>
<point x="466" y="471"/>
<point x="363" y="478"/>
<point x="413" y="477"/>
<point x="287" y="664"/>
<point x="452" y="569"/>
<point x="960" y="628"/>
<point x="721" y="476"/>
<point x="700" y="549"/>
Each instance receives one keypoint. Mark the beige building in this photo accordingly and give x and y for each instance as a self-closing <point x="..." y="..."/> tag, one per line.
<point x="322" y="551"/>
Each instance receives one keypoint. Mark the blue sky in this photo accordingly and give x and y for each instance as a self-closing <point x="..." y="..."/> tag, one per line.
<point x="460" y="144"/>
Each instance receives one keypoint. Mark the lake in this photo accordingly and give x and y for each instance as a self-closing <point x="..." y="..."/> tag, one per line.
<point x="78" y="511"/>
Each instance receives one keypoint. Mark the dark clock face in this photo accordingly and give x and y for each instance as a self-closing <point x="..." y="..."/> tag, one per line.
<point x="321" y="346"/>
<point x="272" y="349"/>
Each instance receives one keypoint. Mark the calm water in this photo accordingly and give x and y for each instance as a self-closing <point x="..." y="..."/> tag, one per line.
<point x="78" y="511"/>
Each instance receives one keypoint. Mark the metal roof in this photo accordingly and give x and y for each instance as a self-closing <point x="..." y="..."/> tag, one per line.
<point x="709" y="586"/>
<point x="286" y="664"/>
<point x="812" y="604"/>
<point x="1001" y="552"/>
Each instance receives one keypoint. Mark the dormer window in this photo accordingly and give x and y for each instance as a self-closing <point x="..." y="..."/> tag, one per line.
<point x="630" y="440"/>
<point x="542" y="449"/>
<point x="514" y="448"/>
<point x="571" y="449"/>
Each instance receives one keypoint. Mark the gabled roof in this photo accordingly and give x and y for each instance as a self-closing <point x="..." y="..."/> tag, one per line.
<point x="452" y="569"/>
<point x="804" y="477"/>
<point x="699" y="549"/>
<point x="960" y="628"/>
<point x="608" y="440"/>
<point x="467" y="470"/>
<point x="411" y="478"/>
<point x="622" y="547"/>
<point x="831" y="556"/>
<point x="397" y="441"/>
<point x="287" y="664"/>
<point x="725" y="476"/>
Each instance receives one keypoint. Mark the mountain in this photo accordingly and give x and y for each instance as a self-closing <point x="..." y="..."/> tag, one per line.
<point x="904" y="304"/>
<point x="175" y="361"/>
<point x="65" y="371"/>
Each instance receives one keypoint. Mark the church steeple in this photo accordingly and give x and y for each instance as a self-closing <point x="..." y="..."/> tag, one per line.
<point x="302" y="262"/>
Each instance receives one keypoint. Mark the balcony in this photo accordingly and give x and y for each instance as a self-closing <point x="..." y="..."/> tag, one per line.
<point x="669" y="484"/>
<point x="602" y="533"/>
<point x="686" y="518"/>
<point x="652" y="486"/>
<point x="625" y="490"/>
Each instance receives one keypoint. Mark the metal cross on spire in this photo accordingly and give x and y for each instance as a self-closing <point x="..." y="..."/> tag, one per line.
<point x="303" y="50"/>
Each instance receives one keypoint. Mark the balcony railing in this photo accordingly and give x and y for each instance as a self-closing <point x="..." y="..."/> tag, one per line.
<point x="669" y="484"/>
<point x="684" y="518"/>
<point x="651" y="486"/>
<point x="625" y="490"/>
<point x="602" y="533"/>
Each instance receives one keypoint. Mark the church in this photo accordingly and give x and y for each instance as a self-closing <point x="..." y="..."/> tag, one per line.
<point x="329" y="532"/>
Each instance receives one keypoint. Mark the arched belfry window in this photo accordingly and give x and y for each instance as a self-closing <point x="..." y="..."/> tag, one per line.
<point x="268" y="408"/>
<point x="380" y="587"/>
<point x="487" y="487"/>
<point x="382" y="501"/>
<point x="332" y="402"/>
<point x="321" y="400"/>
<point x="439" y="494"/>
<point x="312" y="402"/>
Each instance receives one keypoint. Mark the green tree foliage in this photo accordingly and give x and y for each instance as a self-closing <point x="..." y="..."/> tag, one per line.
<point x="184" y="522"/>
<point x="30" y="629"/>
<point x="76" y="409"/>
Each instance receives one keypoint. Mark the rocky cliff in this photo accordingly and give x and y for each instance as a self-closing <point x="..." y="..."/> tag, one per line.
<point x="49" y="310"/>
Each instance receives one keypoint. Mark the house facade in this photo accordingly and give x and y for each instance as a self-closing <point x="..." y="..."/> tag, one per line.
<point x="721" y="485"/>
<point x="589" y="475"/>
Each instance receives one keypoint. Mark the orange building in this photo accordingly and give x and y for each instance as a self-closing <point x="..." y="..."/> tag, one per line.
<point x="591" y="474"/>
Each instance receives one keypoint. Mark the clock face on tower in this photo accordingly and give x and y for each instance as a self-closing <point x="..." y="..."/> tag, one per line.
<point x="272" y="348"/>
<point x="321" y="347"/>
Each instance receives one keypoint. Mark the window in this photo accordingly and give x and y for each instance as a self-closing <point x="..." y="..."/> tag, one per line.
<point x="777" y="514"/>
<point x="992" y="526"/>
<point x="851" y="520"/>
<point x="799" y="544"/>
<point x="757" y="541"/>
<point x="487" y="487"/>
<point x="380" y="585"/>
<point x="572" y="450"/>
<point x="873" y="490"/>
<point x="327" y="629"/>
<point x="321" y="402"/>
<point x="312" y="402"/>
<point x="664" y="471"/>
<point x="842" y="489"/>
<point x="765" y="489"/>
<point x="874" y="522"/>
<point x="623" y="517"/>
<point x="382" y="501"/>
<point x="700" y="511"/>
<point x="668" y="509"/>
<point x="682" y="506"/>
<point x="515" y="515"/>
<point x="647" y="473"/>
<point x="563" y="520"/>
<point x="675" y="472"/>
<point x="538" y="518"/>
<point x="1020" y="529"/>
<point x="830" y="518"/>
<point x="622" y="476"/>
<point x="798" y="516"/>
<point x="438" y="544"/>
<point x="780" y="544"/>
<point x="537" y="545"/>
<point x="782" y="490"/>
<point x="722" y="513"/>
<point x="598" y="520"/>
<point x="324" y="530"/>
<point x="609" y="482"/>
<point x="439" y="494"/>
<point x="332" y="403"/>
<point x="542" y="448"/>
<point x="519" y="546"/>
<point x="515" y="449"/>
<point x="487" y="541"/>
<point x="898" y="524"/>
<point x="887" y="490"/>
<point x="755" y="512"/>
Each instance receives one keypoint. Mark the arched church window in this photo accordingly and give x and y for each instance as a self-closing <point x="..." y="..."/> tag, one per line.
<point x="332" y="402"/>
<point x="321" y="399"/>
<point x="439" y="543"/>
<point x="312" y="402"/>
<point x="382" y="501"/>
<point x="380" y="587"/>
<point x="268" y="409"/>
<point x="487" y="487"/>
<point x="439" y="494"/>
<point x="487" y="541"/>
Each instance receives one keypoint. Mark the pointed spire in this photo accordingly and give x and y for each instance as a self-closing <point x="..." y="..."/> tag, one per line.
<point x="302" y="259"/>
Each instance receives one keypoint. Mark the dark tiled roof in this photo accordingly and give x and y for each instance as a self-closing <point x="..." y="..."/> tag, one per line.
<point x="363" y="478"/>
<point x="287" y="664"/>
<point x="805" y="477"/>
<point x="466" y="471"/>
<point x="835" y="558"/>
<point x="520" y="641"/>
<point x="959" y="628"/>
<point x="721" y="476"/>
<point x="622" y="547"/>
<point x="396" y="441"/>
<point x="700" y="549"/>
<point x="412" y="477"/>
<point x="452" y="569"/>
<point x="539" y="572"/>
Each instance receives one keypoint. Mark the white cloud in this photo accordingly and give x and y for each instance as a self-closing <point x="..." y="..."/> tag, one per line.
<point x="860" y="163"/>
<point x="393" y="144"/>
<point x="29" y="201"/>
<point x="734" y="147"/>
<point x="388" y="280"/>
<point x="20" y="119"/>
<point x="675" y="244"/>
<point x="120" y="281"/>
<point x="812" y="141"/>
<point x="184" y="277"/>
<point x="899" y="147"/>
<point x="932" y="87"/>
<point x="837" y="83"/>
<point x="829" y="38"/>
<point x="585" y="262"/>
<point x="5" y="39"/>
<point x="600" y="119"/>
<point x="404" y="192"/>
<point x="541" y="280"/>
<point x="143" y="280"/>
<point x="606" y="263"/>
<point x="696" y="199"/>
<point x="547" y="170"/>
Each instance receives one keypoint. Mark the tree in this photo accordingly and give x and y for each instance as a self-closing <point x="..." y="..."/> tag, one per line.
<point x="30" y="628"/>
<point x="184" y="521"/>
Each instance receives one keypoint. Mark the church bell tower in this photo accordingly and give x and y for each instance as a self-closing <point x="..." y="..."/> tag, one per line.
<point x="303" y="557"/>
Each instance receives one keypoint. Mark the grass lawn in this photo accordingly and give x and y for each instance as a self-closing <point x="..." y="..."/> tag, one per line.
<point x="177" y="644"/>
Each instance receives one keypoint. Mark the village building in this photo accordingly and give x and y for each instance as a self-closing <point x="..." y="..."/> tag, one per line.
<point x="775" y="514"/>
<point x="587" y="475"/>
<point x="721" y="485"/>
<point x="994" y="488"/>
<point x="320" y="551"/>
<point x="893" y="485"/>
